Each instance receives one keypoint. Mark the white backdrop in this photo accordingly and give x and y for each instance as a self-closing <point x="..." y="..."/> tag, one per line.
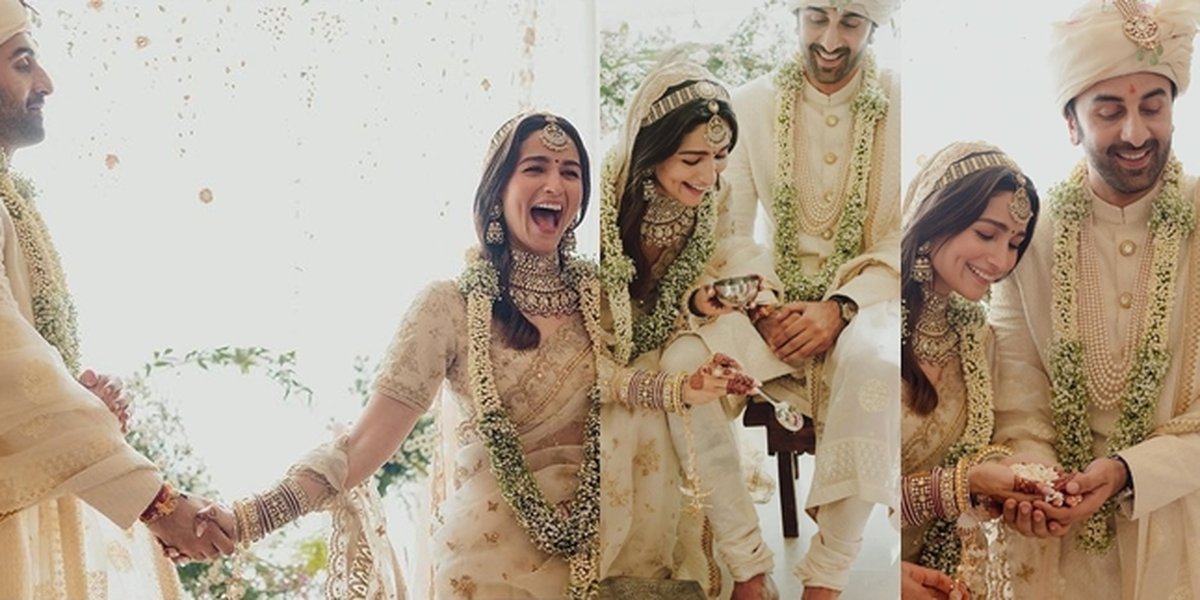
<point x="341" y="143"/>
<point x="976" y="70"/>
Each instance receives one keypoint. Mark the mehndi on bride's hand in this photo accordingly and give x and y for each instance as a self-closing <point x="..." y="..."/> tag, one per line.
<point x="997" y="481"/>
<point x="720" y="376"/>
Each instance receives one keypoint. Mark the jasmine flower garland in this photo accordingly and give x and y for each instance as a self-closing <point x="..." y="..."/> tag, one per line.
<point x="53" y="310"/>
<point x="941" y="548"/>
<point x="571" y="531"/>
<point x="869" y="105"/>
<point x="1172" y="219"/>
<point x="648" y="332"/>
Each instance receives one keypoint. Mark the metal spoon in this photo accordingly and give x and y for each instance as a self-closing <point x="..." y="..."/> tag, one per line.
<point x="784" y="413"/>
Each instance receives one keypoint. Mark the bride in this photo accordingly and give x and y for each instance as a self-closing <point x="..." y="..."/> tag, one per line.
<point x="516" y="343"/>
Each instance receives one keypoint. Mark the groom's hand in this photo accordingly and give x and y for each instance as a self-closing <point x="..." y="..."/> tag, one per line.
<point x="1102" y="479"/>
<point x="177" y="531"/>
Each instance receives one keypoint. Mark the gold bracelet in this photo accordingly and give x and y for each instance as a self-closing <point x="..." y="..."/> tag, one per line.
<point x="249" y="526"/>
<point x="991" y="452"/>
<point x="945" y="494"/>
<point x="625" y="388"/>
<point x="674" y="391"/>
<point x="962" y="487"/>
<point x="916" y="505"/>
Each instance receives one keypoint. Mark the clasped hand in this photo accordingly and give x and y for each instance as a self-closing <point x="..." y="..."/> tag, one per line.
<point x="799" y="330"/>
<point x="1102" y="479"/>
<point x="185" y="534"/>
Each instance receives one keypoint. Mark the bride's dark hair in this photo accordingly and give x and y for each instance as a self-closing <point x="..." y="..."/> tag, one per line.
<point x="656" y="143"/>
<point x="944" y="214"/>
<point x="517" y="331"/>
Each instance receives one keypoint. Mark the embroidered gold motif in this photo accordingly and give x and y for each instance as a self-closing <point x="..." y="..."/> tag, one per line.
<point x="463" y="587"/>
<point x="647" y="458"/>
<point x="37" y="377"/>
<point x="119" y="556"/>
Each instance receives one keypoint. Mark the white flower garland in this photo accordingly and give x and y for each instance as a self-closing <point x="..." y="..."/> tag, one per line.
<point x="1172" y="220"/>
<point x="941" y="547"/>
<point x="53" y="310"/>
<point x="869" y="105"/>
<point x="570" y="532"/>
<point x="636" y="336"/>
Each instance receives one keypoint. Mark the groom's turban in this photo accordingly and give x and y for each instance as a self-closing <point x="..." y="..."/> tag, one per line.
<point x="878" y="11"/>
<point x="14" y="18"/>
<point x="1106" y="38"/>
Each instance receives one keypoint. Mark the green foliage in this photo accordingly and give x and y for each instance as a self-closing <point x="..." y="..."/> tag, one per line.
<point x="278" y="367"/>
<point x="159" y="434"/>
<point x="754" y="48"/>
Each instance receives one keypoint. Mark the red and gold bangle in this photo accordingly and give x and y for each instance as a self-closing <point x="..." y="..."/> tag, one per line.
<point x="164" y="504"/>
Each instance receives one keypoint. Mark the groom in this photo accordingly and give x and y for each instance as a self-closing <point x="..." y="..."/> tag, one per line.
<point x="1105" y="381"/>
<point x="70" y="486"/>
<point x="820" y="155"/>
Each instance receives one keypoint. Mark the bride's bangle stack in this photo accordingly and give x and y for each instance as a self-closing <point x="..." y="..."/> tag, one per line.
<point x="659" y="390"/>
<point x="943" y="492"/>
<point x="263" y="513"/>
<point x="932" y="495"/>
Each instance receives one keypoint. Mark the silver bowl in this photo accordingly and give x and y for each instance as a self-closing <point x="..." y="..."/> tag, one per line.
<point x="737" y="292"/>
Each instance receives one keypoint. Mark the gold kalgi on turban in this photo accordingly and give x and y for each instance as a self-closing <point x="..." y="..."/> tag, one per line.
<point x="1111" y="38"/>
<point x="14" y="18"/>
<point x="878" y="11"/>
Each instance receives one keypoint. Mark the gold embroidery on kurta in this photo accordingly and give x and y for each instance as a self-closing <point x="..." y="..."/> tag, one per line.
<point x="464" y="587"/>
<point x="647" y="458"/>
<point x="36" y="378"/>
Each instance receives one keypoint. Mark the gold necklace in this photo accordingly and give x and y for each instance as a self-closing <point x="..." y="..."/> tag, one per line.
<point x="666" y="220"/>
<point x="934" y="340"/>
<point x="536" y="285"/>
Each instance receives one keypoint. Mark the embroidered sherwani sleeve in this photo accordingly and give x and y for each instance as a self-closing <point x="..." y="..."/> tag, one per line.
<point x="56" y="438"/>
<point x="1022" y="386"/>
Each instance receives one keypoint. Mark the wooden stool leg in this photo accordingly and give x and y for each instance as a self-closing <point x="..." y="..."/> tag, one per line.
<point x="787" y="494"/>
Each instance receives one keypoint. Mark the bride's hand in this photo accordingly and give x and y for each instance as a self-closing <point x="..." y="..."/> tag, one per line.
<point x="220" y="516"/>
<point x="720" y="376"/>
<point x="997" y="481"/>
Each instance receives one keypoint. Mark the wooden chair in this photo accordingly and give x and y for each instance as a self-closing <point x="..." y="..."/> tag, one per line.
<point x="786" y="446"/>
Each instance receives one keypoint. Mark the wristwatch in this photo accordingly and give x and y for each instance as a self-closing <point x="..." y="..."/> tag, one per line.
<point x="848" y="307"/>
